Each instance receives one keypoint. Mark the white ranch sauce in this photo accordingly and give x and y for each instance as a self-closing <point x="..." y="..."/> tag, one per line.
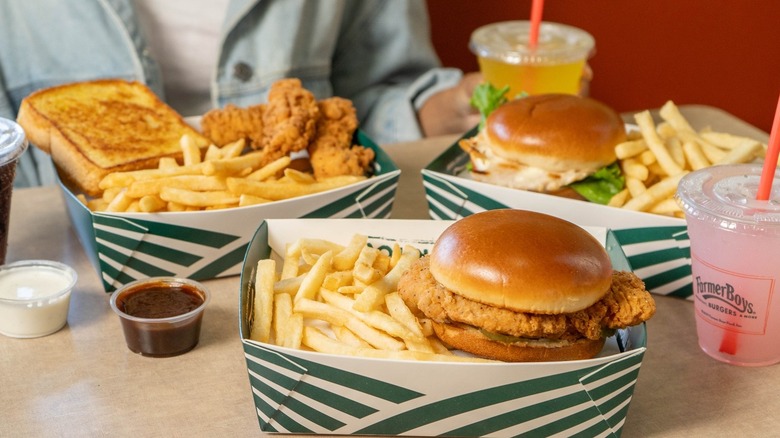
<point x="31" y="304"/>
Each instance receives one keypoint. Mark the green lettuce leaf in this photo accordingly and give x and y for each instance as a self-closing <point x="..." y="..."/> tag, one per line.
<point x="487" y="98"/>
<point x="602" y="185"/>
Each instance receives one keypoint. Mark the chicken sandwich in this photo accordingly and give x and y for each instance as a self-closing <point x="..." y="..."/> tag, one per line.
<point x="544" y="143"/>
<point x="516" y="285"/>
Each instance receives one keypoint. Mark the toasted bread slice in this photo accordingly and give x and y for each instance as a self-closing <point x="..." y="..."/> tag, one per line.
<point x="93" y="128"/>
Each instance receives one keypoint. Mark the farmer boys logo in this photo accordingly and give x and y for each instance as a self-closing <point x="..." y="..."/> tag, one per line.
<point x="735" y="301"/>
<point x="724" y="298"/>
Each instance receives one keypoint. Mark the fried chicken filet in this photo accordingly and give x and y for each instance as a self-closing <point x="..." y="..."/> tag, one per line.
<point x="626" y="303"/>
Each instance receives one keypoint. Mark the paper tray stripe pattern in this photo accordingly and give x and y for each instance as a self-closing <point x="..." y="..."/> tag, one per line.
<point x="375" y="201"/>
<point x="124" y="248"/>
<point x="450" y="201"/>
<point x="303" y="396"/>
<point x="661" y="257"/>
<point x="657" y="254"/>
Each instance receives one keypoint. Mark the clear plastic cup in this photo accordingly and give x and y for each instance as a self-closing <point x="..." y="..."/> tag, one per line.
<point x="13" y="143"/>
<point x="34" y="297"/>
<point x="161" y="316"/>
<point x="555" y="65"/>
<point x="735" y="262"/>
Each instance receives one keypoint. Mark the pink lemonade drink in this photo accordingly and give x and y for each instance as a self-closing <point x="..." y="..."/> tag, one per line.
<point x="555" y="65"/>
<point x="735" y="263"/>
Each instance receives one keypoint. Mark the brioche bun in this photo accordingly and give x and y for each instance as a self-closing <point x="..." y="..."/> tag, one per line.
<point x="472" y="340"/>
<point x="556" y="132"/>
<point x="522" y="261"/>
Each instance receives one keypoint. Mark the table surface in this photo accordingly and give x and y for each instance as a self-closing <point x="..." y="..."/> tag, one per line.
<point x="83" y="381"/>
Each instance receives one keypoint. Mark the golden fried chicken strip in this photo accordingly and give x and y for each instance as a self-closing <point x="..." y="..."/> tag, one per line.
<point x="231" y="123"/>
<point x="338" y="120"/>
<point x="332" y="161"/>
<point x="332" y="152"/>
<point x="290" y="118"/>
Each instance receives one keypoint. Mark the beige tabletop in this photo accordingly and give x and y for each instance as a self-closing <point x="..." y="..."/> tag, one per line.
<point x="83" y="381"/>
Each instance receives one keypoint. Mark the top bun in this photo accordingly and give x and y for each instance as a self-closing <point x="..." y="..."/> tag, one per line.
<point x="523" y="261"/>
<point x="556" y="132"/>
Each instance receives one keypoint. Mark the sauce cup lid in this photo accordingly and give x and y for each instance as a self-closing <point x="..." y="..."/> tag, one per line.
<point x="30" y="293"/>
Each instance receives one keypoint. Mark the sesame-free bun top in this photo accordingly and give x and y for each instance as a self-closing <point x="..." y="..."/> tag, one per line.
<point x="556" y="132"/>
<point x="523" y="261"/>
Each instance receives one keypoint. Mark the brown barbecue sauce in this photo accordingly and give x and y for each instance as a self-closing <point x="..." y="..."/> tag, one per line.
<point x="160" y="301"/>
<point x="163" y="300"/>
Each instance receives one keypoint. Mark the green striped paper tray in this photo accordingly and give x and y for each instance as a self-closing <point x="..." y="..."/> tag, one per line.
<point x="656" y="245"/>
<point x="124" y="247"/>
<point x="305" y="392"/>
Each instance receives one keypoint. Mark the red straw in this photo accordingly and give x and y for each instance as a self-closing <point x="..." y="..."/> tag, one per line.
<point x="536" y="19"/>
<point x="728" y="344"/>
<point x="770" y="161"/>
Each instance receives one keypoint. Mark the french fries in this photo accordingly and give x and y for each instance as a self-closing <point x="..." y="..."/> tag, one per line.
<point x="264" y="299"/>
<point x="340" y="299"/>
<point x="219" y="177"/>
<point x="664" y="152"/>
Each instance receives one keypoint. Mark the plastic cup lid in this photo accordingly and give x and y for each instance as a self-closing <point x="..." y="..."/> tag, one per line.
<point x="13" y="142"/>
<point x="728" y="193"/>
<point x="508" y="41"/>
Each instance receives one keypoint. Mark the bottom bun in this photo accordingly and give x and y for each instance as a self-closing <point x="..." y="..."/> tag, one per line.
<point x="471" y="340"/>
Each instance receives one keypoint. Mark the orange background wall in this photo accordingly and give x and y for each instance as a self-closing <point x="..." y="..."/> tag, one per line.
<point x="723" y="53"/>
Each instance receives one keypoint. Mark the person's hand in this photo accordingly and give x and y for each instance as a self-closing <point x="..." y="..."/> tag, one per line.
<point x="449" y="111"/>
<point x="587" y="76"/>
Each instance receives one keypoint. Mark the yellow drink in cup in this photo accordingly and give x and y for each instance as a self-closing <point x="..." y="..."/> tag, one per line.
<point x="555" y="65"/>
<point x="735" y="262"/>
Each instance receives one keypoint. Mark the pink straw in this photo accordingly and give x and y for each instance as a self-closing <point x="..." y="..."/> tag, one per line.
<point x="770" y="161"/>
<point x="536" y="18"/>
<point x="728" y="344"/>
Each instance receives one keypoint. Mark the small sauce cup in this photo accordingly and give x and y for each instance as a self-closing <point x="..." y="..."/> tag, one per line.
<point x="34" y="297"/>
<point x="161" y="316"/>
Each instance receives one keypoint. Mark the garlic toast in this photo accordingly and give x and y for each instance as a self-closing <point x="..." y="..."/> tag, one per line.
<point x="93" y="128"/>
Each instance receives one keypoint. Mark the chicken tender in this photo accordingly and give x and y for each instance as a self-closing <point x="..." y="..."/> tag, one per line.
<point x="332" y="152"/>
<point x="232" y="123"/>
<point x="290" y="118"/>
<point x="291" y="121"/>
<point x="338" y="120"/>
<point x="626" y="303"/>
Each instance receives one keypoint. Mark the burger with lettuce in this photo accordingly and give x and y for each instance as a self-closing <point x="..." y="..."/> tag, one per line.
<point x="551" y="143"/>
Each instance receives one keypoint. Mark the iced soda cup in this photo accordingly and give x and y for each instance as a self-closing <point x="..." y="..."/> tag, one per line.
<point x="13" y="143"/>
<point x="735" y="262"/>
<point x="555" y="65"/>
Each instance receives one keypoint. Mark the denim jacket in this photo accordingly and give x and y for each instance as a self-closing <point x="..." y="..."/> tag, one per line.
<point x="376" y="52"/>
